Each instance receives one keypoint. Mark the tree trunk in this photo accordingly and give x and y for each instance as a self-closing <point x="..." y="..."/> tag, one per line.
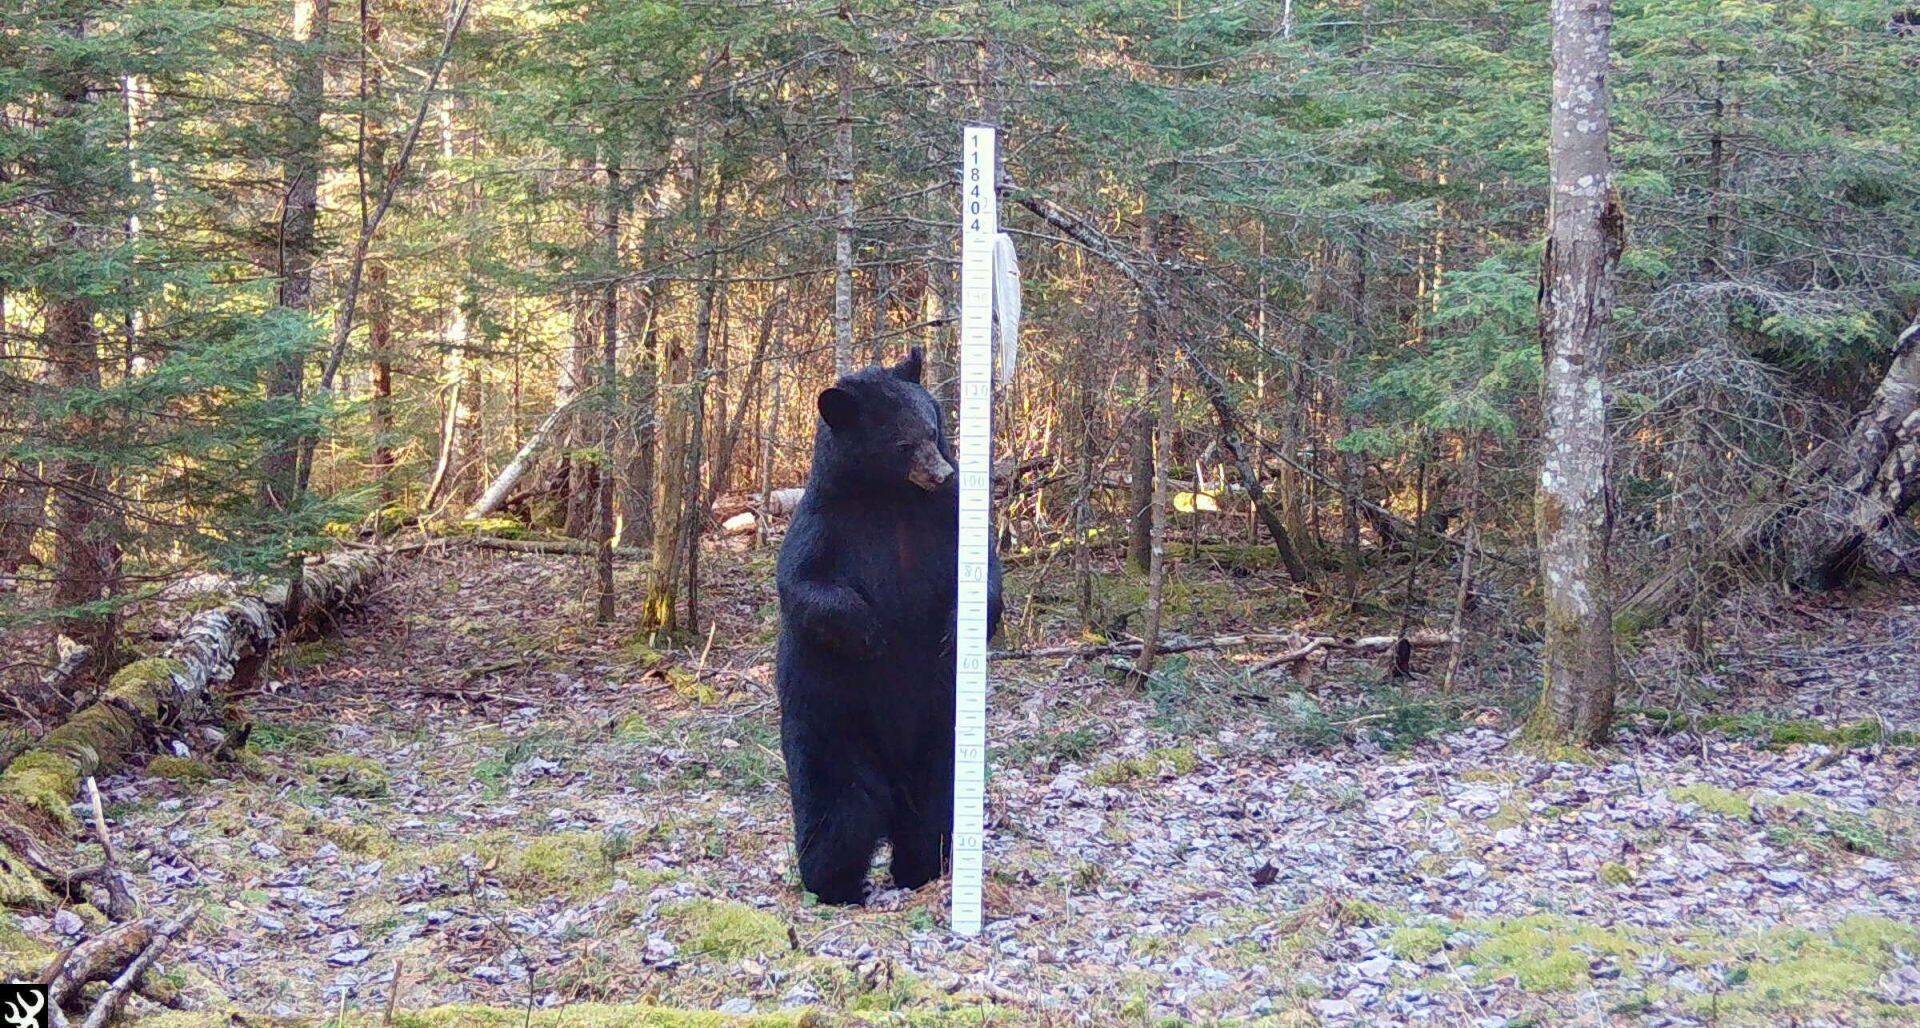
<point x="763" y="519"/>
<point x="306" y="103"/>
<point x="1572" y="516"/>
<point x="642" y="413"/>
<point x="1160" y="323"/>
<point x="1140" y="488"/>
<point x="693" y="519"/>
<point x="509" y="476"/>
<point x="1086" y="367"/>
<point x="373" y="169"/>
<point x="843" y="208"/>
<point x="731" y="427"/>
<point x="454" y="379"/>
<point x="609" y="388"/>
<point x="86" y="547"/>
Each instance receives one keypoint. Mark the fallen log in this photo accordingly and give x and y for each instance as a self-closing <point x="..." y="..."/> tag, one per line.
<point x="38" y="787"/>
<point x="1300" y="646"/>
<point x="98" y="959"/>
<point x="503" y="483"/>
<point x="109" y="1002"/>
<point x="1849" y="504"/>
<point x="567" y="547"/>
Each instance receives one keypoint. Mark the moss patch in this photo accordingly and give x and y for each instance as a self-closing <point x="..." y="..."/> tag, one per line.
<point x="1793" y="972"/>
<point x="1615" y="873"/>
<point x="348" y="775"/>
<point x="731" y="930"/>
<point x="45" y="781"/>
<point x="21" y="957"/>
<point x="1713" y="799"/>
<point x="1771" y="731"/>
<point x="365" y="840"/>
<point x="1172" y="762"/>
<point x="495" y="525"/>
<point x="1418" y="941"/>
<point x="1545" y="952"/>
<point x="179" y="769"/>
<point x="572" y="862"/>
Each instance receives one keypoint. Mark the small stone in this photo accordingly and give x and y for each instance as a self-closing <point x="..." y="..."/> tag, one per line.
<point x="66" y="922"/>
<point x="1784" y="879"/>
<point x="737" y="1005"/>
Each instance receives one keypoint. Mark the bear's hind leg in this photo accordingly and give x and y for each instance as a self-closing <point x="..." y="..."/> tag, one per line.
<point x="836" y="831"/>
<point x="922" y="833"/>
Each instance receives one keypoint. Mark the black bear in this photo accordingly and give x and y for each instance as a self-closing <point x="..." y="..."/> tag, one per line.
<point x="865" y="677"/>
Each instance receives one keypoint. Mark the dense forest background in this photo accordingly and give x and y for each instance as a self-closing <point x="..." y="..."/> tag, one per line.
<point x="275" y="273"/>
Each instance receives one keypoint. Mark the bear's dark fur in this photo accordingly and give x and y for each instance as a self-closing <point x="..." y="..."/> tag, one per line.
<point x="866" y="636"/>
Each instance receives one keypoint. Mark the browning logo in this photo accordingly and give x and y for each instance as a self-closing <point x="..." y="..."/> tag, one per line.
<point x="24" y="1006"/>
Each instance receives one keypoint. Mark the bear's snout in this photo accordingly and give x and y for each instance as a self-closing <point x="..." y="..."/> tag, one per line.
<point x="930" y="470"/>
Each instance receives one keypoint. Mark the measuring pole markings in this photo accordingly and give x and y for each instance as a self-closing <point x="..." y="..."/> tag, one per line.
<point x="979" y="220"/>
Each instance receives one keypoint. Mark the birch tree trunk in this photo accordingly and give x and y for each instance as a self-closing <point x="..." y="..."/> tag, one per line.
<point x="843" y="208"/>
<point x="1572" y="516"/>
<point x="1160" y="323"/>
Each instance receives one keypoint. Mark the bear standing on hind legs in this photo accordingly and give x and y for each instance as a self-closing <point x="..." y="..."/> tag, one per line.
<point x="867" y="579"/>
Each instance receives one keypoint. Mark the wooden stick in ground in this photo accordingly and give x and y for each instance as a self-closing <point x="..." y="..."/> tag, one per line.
<point x="393" y="991"/>
<point x="117" y="993"/>
<point x="120" y="905"/>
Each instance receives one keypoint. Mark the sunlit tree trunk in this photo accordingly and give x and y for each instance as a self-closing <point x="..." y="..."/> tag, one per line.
<point x="1572" y="516"/>
<point x="373" y="170"/>
<point x="693" y="519"/>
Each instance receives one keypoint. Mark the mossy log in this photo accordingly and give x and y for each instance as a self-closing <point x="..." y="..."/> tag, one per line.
<point x="38" y="786"/>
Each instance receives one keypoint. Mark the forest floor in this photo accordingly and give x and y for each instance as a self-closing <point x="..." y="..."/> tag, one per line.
<point x="468" y="788"/>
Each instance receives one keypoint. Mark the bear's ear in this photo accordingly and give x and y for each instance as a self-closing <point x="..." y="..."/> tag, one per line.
<point x="840" y="409"/>
<point x="909" y="369"/>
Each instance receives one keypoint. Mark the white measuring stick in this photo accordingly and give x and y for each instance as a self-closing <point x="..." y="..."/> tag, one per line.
<point x="979" y="221"/>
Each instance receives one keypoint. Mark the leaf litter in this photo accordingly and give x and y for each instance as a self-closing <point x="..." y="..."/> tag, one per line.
<point x="478" y="796"/>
